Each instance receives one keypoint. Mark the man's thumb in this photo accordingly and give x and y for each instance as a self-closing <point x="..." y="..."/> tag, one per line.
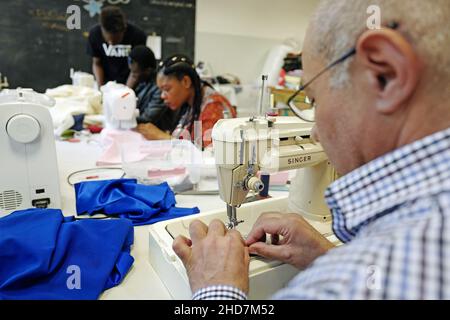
<point x="274" y="252"/>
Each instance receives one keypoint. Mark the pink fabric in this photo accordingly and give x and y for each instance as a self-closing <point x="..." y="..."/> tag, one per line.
<point x="164" y="173"/>
<point x="112" y="141"/>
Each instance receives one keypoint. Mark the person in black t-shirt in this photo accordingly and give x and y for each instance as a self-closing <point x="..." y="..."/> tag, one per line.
<point x="152" y="109"/>
<point x="109" y="45"/>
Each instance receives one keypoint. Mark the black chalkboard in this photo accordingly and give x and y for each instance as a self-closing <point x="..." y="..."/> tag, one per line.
<point x="37" y="49"/>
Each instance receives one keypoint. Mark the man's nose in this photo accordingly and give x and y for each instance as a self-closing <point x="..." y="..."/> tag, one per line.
<point x="314" y="134"/>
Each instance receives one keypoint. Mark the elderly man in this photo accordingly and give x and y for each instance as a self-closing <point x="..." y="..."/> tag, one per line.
<point x="383" y="117"/>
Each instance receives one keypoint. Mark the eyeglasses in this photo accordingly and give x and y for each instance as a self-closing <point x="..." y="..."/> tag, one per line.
<point x="304" y="107"/>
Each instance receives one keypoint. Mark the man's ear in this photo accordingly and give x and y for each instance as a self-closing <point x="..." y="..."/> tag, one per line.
<point x="392" y="65"/>
<point x="186" y="82"/>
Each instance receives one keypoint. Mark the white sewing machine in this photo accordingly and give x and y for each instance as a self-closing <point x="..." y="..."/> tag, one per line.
<point x="83" y="79"/>
<point x="243" y="147"/>
<point x="119" y="106"/>
<point x="28" y="167"/>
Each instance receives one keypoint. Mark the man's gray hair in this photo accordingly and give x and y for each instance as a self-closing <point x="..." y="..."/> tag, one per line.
<point x="425" y="23"/>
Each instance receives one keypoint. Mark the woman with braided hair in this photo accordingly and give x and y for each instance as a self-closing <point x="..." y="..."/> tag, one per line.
<point x="182" y="89"/>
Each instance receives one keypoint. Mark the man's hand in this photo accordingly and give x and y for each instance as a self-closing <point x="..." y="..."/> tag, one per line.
<point x="152" y="132"/>
<point x="294" y="241"/>
<point x="214" y="256"/>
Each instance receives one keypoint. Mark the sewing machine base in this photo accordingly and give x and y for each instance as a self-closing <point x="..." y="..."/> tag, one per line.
<point x="266" y="277"/>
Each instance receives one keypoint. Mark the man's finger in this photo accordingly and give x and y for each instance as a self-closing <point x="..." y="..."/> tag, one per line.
<point x="257" y="234"/>
<point x="216" y="227"/>
<point x="262" y="226"/>
<point x="182" y="247"/>
<point x="197" y="230"/>
<point x="246" y="256"/>
<point x="269" y="251"/>
<point x="236" y="235"/>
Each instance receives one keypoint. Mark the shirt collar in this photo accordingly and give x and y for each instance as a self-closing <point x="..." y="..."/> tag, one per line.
<point x="407" y="173"/>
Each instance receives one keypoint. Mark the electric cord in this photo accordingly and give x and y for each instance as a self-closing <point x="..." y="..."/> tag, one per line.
<point x="95" y="170"/>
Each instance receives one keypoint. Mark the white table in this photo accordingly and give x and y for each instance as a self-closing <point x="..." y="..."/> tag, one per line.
<point x="141" y="282"/>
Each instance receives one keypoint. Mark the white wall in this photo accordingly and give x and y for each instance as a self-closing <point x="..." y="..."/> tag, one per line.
<point x="235" y="36"/>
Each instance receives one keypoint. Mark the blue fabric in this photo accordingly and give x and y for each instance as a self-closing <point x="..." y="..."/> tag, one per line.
<point x="39" y="249"/>
<point x="142" y="204"/>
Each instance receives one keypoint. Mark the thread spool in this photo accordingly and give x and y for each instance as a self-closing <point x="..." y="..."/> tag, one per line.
<point x="265" y="179"/>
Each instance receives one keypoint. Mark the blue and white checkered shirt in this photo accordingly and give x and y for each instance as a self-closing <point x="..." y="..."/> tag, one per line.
<point x="393" y="214"/>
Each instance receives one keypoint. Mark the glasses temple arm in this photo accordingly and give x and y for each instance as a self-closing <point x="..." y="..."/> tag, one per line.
<point x="341" y="59"/>
<point x="392" y="25"/>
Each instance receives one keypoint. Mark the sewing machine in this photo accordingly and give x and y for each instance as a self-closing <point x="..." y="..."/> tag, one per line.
<point x="28" y="166"/>
<point x="243" y="147"/>
<point x="119" y="106"/>
<point x="83" y="79"/>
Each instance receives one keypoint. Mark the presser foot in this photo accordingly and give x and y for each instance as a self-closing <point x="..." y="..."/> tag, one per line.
<point x="232" y="218"/>
<point x="233" y="224"/>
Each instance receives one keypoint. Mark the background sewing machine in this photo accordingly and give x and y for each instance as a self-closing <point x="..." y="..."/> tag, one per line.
<point x="28" y="167"/>
<point x="242" y="147"/>
<point x="119" y="106"/>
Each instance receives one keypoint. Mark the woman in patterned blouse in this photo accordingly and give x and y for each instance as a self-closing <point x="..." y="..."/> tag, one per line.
<point x="201" y="106"/>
